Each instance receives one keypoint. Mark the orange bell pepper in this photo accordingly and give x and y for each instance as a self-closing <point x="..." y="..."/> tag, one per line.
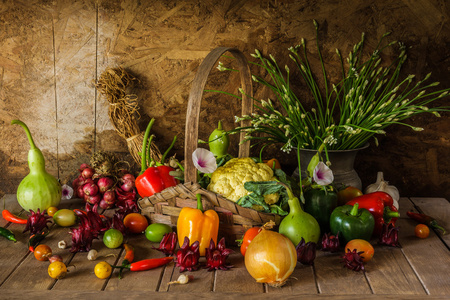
<point x="198" y="226"/>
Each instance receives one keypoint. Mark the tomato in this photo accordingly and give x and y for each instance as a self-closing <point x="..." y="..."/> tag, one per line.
<point x="112" y="238"/>
<point x="65" y="217"/>
<point x="348" y="194"/>
<point x="422" y="231"/>
<point x="248" y="237"/>
<point x="52" y="210"/>
<point x="273" y="163"/>
<point x="135" y="222"/>
<point x="42" y="252"/>
<point x="57" y="270"/>
<point x="156" y="231"/>
<point x="103" y="270"/>
<point x="361" y="245"/>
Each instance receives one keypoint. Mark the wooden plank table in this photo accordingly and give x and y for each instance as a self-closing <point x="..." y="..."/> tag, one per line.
<point x="418" y="270"/>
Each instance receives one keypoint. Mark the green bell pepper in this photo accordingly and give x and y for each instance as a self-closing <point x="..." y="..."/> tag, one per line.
<point x="320" y="204"/>
<point x="352" y="223"/>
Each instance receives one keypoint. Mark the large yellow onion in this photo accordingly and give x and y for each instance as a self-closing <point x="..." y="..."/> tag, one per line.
<point x="271" y="258"/>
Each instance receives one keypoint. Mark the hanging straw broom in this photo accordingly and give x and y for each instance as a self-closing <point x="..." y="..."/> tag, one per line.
<point x="113" y="84"/>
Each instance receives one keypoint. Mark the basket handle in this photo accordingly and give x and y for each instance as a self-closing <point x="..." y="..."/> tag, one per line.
<point x="194" y="102"/>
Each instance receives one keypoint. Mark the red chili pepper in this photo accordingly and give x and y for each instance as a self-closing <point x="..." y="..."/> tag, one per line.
<point x="8" y="216"/>
<point x="381" y="206"/>
<point x="425" y="219"/>
<point x="156" y="178"/>
<point x="129" y="257"/>
<point x="146" y="264"/>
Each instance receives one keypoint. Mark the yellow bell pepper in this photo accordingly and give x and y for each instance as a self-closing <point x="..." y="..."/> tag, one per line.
<point x="198" y="226"/>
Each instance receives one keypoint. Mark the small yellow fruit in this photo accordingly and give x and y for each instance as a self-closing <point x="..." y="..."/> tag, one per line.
<point x="57" y="270"/>
<point x="102" y="270"/>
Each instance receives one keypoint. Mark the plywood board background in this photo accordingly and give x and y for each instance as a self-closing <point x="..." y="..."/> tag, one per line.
<point x="53" y="51"/>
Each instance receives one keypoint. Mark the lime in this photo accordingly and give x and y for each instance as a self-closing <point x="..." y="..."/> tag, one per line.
<point x="112" y="238"/>
<point x="156" y="231"/>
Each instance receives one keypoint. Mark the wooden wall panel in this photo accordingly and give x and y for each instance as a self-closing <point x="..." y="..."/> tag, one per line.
<point x="52" y="52"/>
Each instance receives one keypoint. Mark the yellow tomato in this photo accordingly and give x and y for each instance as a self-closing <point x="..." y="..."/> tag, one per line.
<point x="57" y="270"/>
<point x="361" y="246"/>
<point x="52" y="210"/>
<point x="102" y="270"/>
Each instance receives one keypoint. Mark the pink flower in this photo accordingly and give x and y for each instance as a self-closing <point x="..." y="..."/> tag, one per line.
<point x="323" y="174"/>
<point x="204" y="160"/>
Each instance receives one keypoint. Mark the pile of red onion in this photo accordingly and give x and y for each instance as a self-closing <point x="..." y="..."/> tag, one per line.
<point x="104" y="191"/>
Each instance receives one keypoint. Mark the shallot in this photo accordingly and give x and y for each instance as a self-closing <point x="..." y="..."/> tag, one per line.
<point x="105" y="183"/>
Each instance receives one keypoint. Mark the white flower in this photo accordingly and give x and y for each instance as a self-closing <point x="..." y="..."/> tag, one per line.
<point x="204" y="160"/>
<point x="323" y="174"/>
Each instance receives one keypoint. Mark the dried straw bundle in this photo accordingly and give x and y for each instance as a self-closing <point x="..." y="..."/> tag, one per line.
<point x="114" y="83"/>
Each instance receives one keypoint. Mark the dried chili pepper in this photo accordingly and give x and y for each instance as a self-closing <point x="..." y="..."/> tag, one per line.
<point x="8" y="216"/>
<point x="427" y="220"/>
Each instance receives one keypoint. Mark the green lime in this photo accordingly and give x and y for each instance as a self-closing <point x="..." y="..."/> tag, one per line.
<point x="156" y="231"/>
<point x="112" y="238"/>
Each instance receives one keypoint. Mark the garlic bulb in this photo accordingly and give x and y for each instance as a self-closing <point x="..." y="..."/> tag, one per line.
<point x="383" y="186"/>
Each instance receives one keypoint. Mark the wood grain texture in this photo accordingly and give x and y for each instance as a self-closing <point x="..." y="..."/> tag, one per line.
<point x="52" y="51"/>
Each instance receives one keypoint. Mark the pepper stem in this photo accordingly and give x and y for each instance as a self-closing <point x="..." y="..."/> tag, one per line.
<point x="27" y="131"/>
<point x="389" y="214"/>
<point x="435" y="225"/>
<point x="354" y="211"/>
<point x="199" y="202"/>
<point x="144" y="146"/>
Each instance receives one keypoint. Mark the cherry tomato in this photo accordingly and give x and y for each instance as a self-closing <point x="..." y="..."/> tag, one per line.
<point x="156" y="231"/>
<point x="361" y="245"/>
<point x="348" y="194"/>
<point x="65" y="217"/>
<point x="112" y="238"/>
<point x="135" y="222"/>
<point x="422" y="231"/>
<point x="52" y="210"/>
<point x="103" y="270"/>
<point x="273" y="163"/>
<point x="248" y="237"/>
<point x="57" y="270"/>
<point x="42" y="252"/>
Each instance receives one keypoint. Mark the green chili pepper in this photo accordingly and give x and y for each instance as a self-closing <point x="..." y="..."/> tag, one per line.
<point x="352" y="223"/>
<point x="7" y="234"/>
<point x="219" y="141"/>
<point x="320" y="204"/>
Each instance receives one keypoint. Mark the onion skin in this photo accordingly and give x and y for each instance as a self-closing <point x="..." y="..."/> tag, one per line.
<point x="271" y="258"/>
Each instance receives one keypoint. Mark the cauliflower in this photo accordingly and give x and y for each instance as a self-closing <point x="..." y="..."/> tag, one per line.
<point x="228" y="180"/>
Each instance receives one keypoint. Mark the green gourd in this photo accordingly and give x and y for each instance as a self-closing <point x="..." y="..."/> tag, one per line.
<point x="39" y="189"/>
<point x="299" y="224"/>
<point x="219" y="141"/>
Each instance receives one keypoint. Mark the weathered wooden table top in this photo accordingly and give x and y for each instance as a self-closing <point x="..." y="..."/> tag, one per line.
<point x="418" y="270"/>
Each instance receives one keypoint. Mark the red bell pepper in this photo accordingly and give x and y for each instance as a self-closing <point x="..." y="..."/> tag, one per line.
<point x="381" y="206"/>
<point x="156" y="178"/>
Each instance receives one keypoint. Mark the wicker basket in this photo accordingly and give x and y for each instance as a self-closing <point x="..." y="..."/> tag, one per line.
<point x="165" y="207"/>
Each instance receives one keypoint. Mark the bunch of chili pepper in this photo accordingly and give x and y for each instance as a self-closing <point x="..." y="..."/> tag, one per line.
<point x="155" y="178"/>
<point x="381" y="206"/>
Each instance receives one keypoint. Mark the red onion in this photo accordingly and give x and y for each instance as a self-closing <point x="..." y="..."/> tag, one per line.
<point x="104" y="205"/>
<point x="127" y="186"/>
<point x="93" y="199"/>
<point x="90" y="189"/>
<point x="80" y="192"/>
<point x="128" y="177"/>
<point x="88" y="173"/>
<point x="105" y="183"/>
<point x="110" y="197"/>
<point x="83" y="166"/>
